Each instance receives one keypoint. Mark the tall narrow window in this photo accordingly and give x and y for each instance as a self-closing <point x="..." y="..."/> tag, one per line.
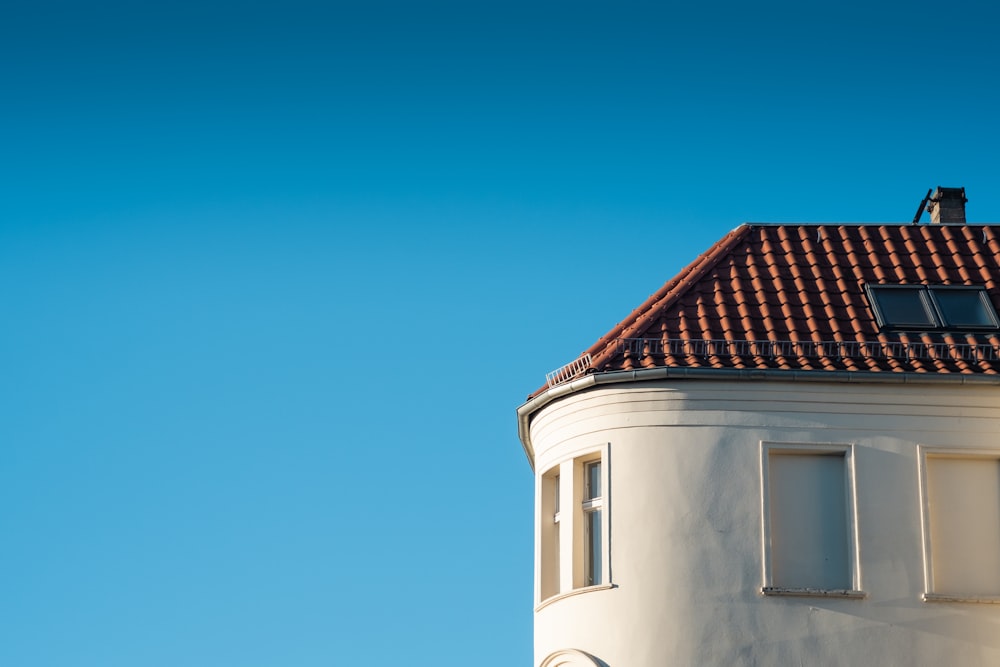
<point x="809" y="521"/>
<point x="592" y="504"/>
<point x="572" y="523"/>
<point x="549" y="535"/>
<point x="555" y="492"/>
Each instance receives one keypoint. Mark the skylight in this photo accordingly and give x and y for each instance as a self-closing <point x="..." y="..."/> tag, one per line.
<point x="964" y="307"/>
<point x="932" y="307"/>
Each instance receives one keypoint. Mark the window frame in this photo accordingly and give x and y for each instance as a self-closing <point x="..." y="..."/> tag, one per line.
<point x="592" y="506"/>
<point x="841" y="450"/>
<point x="567" y="531"/>
<point x="929" y="297"/>
<point x="549" y="564"/>
<point x="931" y="594"/>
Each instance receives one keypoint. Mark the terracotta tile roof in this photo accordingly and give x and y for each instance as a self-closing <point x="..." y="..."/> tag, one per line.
<point x="792" y="297"/>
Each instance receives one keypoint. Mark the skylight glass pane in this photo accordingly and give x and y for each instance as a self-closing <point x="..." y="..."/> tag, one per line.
<point x="964" y="307"/>
<point x="902" y="306"/>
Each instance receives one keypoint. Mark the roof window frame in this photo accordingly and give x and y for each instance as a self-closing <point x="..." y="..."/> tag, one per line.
<point x="930" y="298"/>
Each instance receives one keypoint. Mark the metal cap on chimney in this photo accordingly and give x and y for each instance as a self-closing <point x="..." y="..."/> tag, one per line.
<point x="947" y="205"/>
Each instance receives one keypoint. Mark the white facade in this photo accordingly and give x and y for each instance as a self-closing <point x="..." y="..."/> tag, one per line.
<point x="768" y="522"/>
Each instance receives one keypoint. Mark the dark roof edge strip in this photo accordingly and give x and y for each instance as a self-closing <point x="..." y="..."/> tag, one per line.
<point x="871" y="224"/>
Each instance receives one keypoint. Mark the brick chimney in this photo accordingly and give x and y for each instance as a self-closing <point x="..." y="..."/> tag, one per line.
<point x="947" y="205"/>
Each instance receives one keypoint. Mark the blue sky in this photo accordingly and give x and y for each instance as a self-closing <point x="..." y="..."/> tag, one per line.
<point x="275" y="277"/>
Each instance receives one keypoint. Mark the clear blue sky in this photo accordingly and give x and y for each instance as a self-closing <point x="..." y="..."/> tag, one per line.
<point x="274" y="278"/>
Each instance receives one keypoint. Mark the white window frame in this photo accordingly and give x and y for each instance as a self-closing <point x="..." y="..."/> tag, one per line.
<point x="589" y="506"/>
<point x="845" y="450"/>
<point x="931" y="594"/>
<point x="570" y="525"/>
<point x="548" y="533"/>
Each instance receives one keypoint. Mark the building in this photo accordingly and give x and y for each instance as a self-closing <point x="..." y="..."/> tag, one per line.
<point x="789" y="454"/>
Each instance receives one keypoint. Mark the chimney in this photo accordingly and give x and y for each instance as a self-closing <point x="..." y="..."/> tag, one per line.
<point x="947" y="205"/>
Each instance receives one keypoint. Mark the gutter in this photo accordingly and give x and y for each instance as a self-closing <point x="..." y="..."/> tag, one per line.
<point x="526" y="410"/>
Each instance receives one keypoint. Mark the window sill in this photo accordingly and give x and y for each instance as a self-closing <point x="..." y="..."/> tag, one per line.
<point x="776" y="591"/>
<point x="568" y="594"/>
<point x="976" y="599"/>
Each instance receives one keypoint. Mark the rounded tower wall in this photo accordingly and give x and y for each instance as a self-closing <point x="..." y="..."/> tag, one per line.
<point x="686" y="514"/>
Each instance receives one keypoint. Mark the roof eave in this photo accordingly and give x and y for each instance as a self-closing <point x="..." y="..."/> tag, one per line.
<point x="539" y="401"/>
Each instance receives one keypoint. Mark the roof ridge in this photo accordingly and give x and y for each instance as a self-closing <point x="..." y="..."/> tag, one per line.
<point x="601" y="350"/>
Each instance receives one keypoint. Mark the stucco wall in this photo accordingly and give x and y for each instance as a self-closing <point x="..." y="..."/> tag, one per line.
<point x="685" y="520"/>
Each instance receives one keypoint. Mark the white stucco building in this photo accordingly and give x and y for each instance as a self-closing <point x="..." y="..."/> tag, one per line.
<point x="789" y="454"/>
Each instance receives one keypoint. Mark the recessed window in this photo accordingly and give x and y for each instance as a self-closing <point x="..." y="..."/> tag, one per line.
<point x="962" y="526"/>
<point x="572" y="526"/>
<point x="932" y="307"/>
<point x="592" y="504"/>
<point x="549" y="534"/>
<point x="809" y="534"/>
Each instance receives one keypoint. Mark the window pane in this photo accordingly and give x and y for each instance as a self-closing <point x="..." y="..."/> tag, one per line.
<point x="902" y="306"/>
<point x="556" y="493"/>
<point x="964" y="307"/>
<point x="594" y="480"/>
<point x="593" y="559"/>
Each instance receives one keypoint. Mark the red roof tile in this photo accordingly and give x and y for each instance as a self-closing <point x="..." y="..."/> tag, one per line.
<point x="792" y="297"/>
